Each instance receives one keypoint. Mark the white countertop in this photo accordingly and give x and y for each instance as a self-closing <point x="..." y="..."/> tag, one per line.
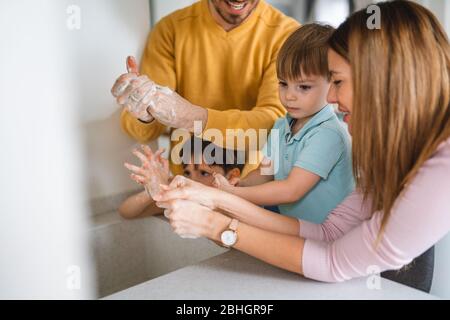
<point x="234" y="275"/>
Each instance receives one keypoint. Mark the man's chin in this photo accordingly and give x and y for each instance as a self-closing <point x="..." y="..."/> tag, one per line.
<point x="234" y="20"/>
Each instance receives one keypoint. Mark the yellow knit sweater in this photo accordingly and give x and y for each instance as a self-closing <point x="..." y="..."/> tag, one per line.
<point x="232" y="74"/>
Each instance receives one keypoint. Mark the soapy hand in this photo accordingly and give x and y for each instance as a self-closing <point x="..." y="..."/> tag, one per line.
<point x="154" y="171"/>
<point x="188" y="219"/>
<point x="128" y="88"/>
<point x="172" y="110"/>
<point x="147" y="100"/>
<point x="189" y="207"/>
<point x="182" y="188"/>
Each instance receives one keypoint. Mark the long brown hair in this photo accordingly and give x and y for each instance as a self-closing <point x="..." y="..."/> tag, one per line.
<point x="401" y="95"/>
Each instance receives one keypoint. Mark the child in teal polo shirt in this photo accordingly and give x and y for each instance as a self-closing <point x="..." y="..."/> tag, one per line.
<point x="309" y="150"/>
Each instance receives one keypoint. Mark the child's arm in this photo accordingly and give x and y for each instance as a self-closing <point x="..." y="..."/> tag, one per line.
<point x="263" y="174"/>
<point x="256" y="177"/>
<point x="138" y="206"/>
<point x="290" y="190"/>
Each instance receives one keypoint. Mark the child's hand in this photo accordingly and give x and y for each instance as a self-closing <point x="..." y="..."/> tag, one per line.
<point x="222" y="183"/>
<point x="266" y="167"/>
<point x="235" y="181"/>
<point x="162" y="161"/>
<point x="153" y="172"/>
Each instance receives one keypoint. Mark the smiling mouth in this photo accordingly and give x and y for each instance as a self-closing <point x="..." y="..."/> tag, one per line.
<point x="343" y="111"/>
<point x="236" y="6"/>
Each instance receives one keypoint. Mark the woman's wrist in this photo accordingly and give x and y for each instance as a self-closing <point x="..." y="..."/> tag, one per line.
<point x="227" y="200"/>
<point x="217" y="197"/>
<point x="219" y="223"/>
<point x="221" y="199"/>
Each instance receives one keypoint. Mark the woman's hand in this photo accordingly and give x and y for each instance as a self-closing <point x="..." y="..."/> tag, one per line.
<point x="192" y="220"/>
<point x="182" y="188"/>
<point x="154" y="171"/>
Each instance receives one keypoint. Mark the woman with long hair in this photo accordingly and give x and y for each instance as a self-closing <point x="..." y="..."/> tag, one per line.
<point x="393" y="84"/>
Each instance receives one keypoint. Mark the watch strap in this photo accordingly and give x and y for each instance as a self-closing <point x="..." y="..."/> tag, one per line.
<point x="234" y="224"/>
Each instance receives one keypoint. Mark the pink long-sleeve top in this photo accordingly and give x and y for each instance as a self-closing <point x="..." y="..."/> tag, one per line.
<point x="342" y="247"/>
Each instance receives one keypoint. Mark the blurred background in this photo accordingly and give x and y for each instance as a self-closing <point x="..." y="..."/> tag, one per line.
<point x="61" y="176"/>
<point x="330" y="11"/>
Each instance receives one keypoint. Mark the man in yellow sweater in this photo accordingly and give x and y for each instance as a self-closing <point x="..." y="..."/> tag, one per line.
<point x="218" y="57"/>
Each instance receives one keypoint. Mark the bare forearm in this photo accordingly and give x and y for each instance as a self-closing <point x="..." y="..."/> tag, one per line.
<point x="255" y="178"/>
<point x="249" y="213"/>
<point x="267" y="194"/>
<point x="138" y="205"/>
<point x="280" y="250"/>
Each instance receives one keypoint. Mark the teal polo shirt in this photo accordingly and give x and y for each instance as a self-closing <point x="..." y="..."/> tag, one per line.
<point x="323" y="147"/>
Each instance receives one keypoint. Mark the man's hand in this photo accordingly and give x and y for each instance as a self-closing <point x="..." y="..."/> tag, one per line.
<point x="147" y="101"/>
<point x="129" y="90"/>
<point x="172" y="110"/>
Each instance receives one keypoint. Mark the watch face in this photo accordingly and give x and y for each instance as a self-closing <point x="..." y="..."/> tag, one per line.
<point x="229" y="238"/>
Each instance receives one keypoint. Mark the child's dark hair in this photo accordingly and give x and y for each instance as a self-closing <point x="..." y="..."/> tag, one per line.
<point x="228" y="159"/>
<point x="305" y="52"/>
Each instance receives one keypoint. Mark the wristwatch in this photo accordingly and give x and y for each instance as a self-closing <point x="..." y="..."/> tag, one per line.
<point x="229" y="236"/>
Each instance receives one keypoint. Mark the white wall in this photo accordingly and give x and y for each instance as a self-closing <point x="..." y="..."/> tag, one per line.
<point x="441" y="9"/>
<point x="162" y="8"/>
<point x="60" y="135"/>
<point x="110" y="31"/>
<point x="44" y="248"/>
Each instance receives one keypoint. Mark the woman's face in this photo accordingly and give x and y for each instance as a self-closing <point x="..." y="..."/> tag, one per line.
<point x="341" y="89"/>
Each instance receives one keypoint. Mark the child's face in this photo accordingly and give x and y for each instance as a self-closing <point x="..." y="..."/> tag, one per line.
<point x="203" y="173"/>
<point x="303" y="98"/>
